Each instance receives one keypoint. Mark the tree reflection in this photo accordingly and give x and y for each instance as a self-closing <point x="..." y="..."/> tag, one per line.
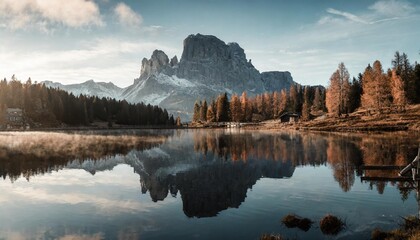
<point x="344" y="157"/>
<point x="396" y="151"/>
<point x="211" y="170"/>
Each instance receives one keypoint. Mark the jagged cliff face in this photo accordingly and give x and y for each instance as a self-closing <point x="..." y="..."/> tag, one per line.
<point x="207" y="68"/>
<point x="209" y="60"/>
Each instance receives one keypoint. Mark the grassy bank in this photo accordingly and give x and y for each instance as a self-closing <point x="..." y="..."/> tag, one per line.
<point x="361" y="121"/>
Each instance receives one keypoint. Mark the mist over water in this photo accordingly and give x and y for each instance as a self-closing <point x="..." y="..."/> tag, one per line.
<point x="206" y="184"/>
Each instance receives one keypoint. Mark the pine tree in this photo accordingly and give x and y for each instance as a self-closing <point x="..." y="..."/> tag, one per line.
<point x="196" y="114"/>
<point x="355" y="94"/>
<point x="276" y="104"/>
<point x="337" y="97"/>
<point x="203" y="111"/>
<point x="222" y="109"/>
<point x="211" y="112"/>
<point x="306" y="112"/>
<point x="293" y="98"/>
<point x="317" y="102"/>
<point x="268" y="106"/>
<point x="383" y="90"/>
<point x="260" y="104"/>
<point x="283" y="102"/>
<point x="172" y="120"/>
<point x="235" y="108"/>
<point x="345" y="88"/>
<point x="332" y="99"/>
<point x="397" y="90"/>
<point x="407" y="76"/>
<point x="178" y="121"/>
<point x="246" y="108"/>
<point x="368" y="85"/>
<point x="376" y="89"/>
<point x="405" y="70"/>
<point x="397" y="62"/>
<point x="416" y="81"/>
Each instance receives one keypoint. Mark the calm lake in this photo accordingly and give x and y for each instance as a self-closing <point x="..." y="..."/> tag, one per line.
<point x="197" y="184"/>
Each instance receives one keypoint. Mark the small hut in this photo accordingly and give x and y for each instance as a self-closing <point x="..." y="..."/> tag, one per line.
<point x="13" y="118"/>
<point x="288" y="117"/>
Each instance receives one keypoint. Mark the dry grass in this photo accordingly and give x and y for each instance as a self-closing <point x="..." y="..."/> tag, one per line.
<point x="40" y="144"/>
<point x="360" y="122"/>
<point x="409" y="230"/>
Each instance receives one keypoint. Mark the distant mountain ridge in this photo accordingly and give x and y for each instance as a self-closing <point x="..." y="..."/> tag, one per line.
<point x="207" y="68"/>
<point x="90" y="87"/>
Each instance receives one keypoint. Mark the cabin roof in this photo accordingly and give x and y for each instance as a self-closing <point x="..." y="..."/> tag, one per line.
<point x="10" y="110"/>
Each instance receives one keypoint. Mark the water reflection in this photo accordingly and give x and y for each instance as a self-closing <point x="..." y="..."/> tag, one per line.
<point x="210" y="170"/>
<point x="32" y="153"/>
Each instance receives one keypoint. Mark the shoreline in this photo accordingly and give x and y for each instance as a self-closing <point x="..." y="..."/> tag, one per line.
<point x="358" y="122"/>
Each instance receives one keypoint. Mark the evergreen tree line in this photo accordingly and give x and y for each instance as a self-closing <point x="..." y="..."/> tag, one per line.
<point x="50" y="106"/>
<point x="374" y="89"/>
<point x="298" y="99"/>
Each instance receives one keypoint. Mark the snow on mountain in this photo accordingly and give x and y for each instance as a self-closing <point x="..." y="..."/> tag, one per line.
<point x="90" y="88"/>
<point x="174" y="81"/>
<point x="207" y="68"/>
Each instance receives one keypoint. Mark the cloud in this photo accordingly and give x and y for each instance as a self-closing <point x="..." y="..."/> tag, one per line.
<point x="356" y="38"/>
<point x="347" y="15"/>
<point x="106" y="59"/>
<point x="126" y="16"/>
<point x="393" y="8"/>
<point x="25" y="14"/>
<point x="379" y="12"/>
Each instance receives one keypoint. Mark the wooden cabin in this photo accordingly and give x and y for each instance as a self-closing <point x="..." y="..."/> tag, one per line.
<point x="289" y="117"/>
<point x="14" y="118"/>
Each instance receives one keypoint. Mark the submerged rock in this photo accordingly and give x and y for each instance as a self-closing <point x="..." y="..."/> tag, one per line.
<point x="293" y="221"/>
<point x="331" y="225"/>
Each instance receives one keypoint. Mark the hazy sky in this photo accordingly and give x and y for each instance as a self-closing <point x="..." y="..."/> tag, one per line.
<point x="72" y="41"/>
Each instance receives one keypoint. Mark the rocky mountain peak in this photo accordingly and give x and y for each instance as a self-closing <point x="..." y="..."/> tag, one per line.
<point x="198" y="47"/>
<point x="236" y="51"/>
<point x="174" y="61"/>
<point x="157" y="61"/>
<point x="207" y="68"/>
<point x="209" y="60"/>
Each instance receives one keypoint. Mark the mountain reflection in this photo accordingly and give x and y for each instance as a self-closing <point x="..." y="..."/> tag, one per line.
<point x="27" y="154"/>
<point x="211" y="170"/>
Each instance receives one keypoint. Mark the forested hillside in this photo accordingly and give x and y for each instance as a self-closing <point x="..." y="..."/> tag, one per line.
<point x="48" y="107"/>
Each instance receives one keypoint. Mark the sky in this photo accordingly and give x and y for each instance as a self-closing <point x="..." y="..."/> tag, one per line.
<point x="72" y="41"/>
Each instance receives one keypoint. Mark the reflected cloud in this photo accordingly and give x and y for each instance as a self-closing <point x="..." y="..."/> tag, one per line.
<point x="103" y="202"/>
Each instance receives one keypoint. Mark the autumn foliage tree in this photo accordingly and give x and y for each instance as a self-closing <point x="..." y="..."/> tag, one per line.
<point x="196" y="114"/>
<point x="337" y="95"/>
<point x="246" y="108"/>
<point x="397" y="90"/>
<point x="306" y="107"/>
<point x="376" y="88"/>
<point x="235" y="108"/>
<point x="203" y="111"/>
<point x="211" y="112"/>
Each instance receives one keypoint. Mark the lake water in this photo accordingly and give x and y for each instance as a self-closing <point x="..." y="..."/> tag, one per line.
<point x="197" y="184"/>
